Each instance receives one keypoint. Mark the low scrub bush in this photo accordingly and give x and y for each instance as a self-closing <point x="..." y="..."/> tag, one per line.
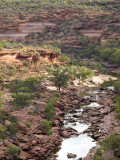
<point x="8" y="70"/>
<point x="111" y="142"/>
<point x="50" y="108"/>
<point x="13" y="152"/>
<point x="12" y="129"/>
<point x="23" y="90"/>
<point x="46" y="125"/>
<point x="22" y="99"/>
<point x="30" y="84"/>
<point x="2" y="132"/>
<point x="28" y="125"/>
<point x="56" y="94"/>
<point x="65" y="58"/>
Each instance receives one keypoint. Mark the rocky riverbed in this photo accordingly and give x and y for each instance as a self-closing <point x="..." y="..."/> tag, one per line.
<point x="87" y="120"/>
<point x="83" y="116"/>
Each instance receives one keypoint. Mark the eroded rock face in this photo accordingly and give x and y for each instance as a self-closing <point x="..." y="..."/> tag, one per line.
<point x="89" y="25"/>
<point x="47" y="55"/>
<point x="20" y="31"/>
<point x="33" y="55"/>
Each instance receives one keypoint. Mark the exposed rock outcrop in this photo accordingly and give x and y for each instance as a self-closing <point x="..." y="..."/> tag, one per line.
<point x="34" y="55"/>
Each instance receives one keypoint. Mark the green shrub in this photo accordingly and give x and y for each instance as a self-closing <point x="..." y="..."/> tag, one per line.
<point x="112" y="43"/>
<point x="2" y="132"/>
<point x="13" y="152"/>
<point x="12" y="129"/>
<point x="36" y="54"/>
<point x="56" y="94"/>
<point x="12" y="119"/>
<point x="30" y="84"/>
<point x="50" y="108"/>
<point x="15" y="85"/>
<point x="8" y="70"/>
<point x="84" y="73"/>
<point x="111" y="142"/>
<point x="64" y="58"/>
<point x="59" y="44"/>
<point x="22" y="99"/>
<point x="53" y="48"/>
<point x="37" y="95"/>
<point x="46" y="125"/>
<point x="6" y="116"/>
<point x="30" y="113"/>
<point x="28" y="125"/>
<point x="24" y="90"/>
<point x="7" y="130"/>
<point x="6" y="44"/>
<point x="84" y="40"/>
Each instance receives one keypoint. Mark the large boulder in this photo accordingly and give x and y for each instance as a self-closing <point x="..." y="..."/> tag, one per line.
<point x="22" y="127"/>
<point x="66" y="134"/>
<point x="71" y="155"/>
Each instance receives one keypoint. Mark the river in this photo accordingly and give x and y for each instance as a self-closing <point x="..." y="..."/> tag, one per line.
<point x="79" y="145"/>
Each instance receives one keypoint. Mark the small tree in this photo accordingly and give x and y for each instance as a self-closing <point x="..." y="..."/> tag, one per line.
<point x="84" y="73"/>
<point x="47" y="126"/>
<point x="50" y="108"/>
<point x="73" y="71"/>
<point x="13" y="151"/>
<point x="64" y="58"/>
<point x="60" y="76"/>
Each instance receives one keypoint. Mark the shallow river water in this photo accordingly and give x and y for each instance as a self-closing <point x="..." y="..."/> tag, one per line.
<point x="79" y="145"/>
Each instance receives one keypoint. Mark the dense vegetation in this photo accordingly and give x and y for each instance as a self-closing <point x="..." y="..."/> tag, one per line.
<point x="108" y="53"/>
<point x="9" y="45"/>
<point x="23" y="90"/>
